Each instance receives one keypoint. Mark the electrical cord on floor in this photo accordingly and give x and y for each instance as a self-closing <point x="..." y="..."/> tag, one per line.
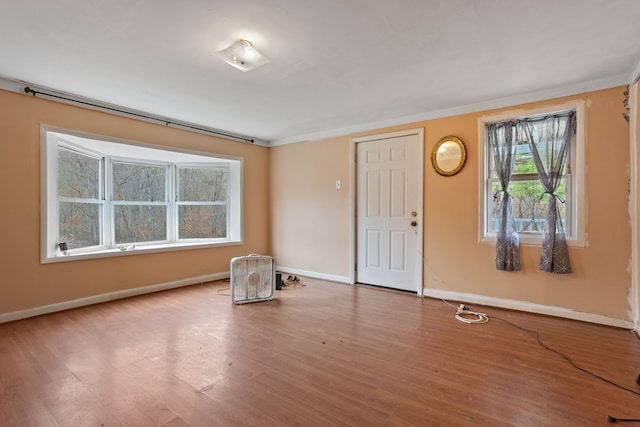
<point x="484" y="318"/>
<point x="221" y="290"/>
<point x="289" y="282"/>
<point x="567" y="358"/>
<point x="463" y="311"/>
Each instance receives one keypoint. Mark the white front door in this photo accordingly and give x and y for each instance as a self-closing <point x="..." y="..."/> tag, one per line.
<point x="389" y="210"/>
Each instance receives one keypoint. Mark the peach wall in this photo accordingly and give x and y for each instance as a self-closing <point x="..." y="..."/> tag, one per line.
<point x="293" y="211"/>
<point x="454" y="260"/>
<point x="25" y="283"/>
<point x="310" y="217"/>
<point x="601" y="280"/>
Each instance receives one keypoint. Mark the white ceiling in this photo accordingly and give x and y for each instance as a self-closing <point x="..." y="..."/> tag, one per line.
<point x="338" y="66"/>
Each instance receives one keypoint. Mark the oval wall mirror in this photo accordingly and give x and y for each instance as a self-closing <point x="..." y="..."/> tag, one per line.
<point x="448" y="155"/>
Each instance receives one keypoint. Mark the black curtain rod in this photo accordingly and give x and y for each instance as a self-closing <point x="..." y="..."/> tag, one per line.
<point x="28" y="90"/>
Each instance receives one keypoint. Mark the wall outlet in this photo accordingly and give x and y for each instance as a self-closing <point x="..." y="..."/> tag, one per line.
<point x="338" y="184"/>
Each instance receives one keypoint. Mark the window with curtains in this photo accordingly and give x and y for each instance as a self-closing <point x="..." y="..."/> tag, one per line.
<point x="106" y="198"/>
<point x="530" y="136"/>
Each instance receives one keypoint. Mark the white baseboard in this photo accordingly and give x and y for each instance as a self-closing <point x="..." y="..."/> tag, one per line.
<point x="313" y="274"/>
<point x="95" y="299"/>
<point x="527" y="306"/>
<point x="427" y="292"/>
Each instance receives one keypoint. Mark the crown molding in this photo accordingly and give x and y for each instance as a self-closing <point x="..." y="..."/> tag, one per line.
<point x="573" y="89"/>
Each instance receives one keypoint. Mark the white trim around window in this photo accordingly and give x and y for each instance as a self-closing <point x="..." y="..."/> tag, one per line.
<point x="576" y="233"/>
<point x="108" y="150"/>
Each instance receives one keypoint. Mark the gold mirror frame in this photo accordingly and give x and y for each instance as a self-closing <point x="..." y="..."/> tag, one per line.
<point x="448" y="155"/>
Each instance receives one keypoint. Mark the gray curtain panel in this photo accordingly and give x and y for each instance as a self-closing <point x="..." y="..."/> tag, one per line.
<point x="550" y="141"/>
<point x="502" y="140"/>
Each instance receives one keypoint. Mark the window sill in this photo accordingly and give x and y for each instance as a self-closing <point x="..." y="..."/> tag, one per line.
<point x="533" y="241"/>
<point x="134" y="250"/>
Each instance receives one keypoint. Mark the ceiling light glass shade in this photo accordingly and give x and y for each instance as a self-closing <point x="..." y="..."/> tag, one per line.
<point x="243" y="56"/>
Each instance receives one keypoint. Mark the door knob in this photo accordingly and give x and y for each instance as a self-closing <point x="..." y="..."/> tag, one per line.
<point x="414" y="223"/>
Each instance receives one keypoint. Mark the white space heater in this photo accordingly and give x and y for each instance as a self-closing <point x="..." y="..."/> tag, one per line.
<point x="253" y="278"/>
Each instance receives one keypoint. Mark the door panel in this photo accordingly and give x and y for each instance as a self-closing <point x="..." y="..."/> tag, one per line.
<point x="373" y="194"/>
<point x="373" y="249"/>
<point x="388" y="190"/>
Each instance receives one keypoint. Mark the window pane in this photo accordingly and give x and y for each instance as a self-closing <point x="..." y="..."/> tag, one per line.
<point x="203" y="184"/>
<point x="549" y="153"/>
<point x="139" y="183"/>
<point x="78" y="175"/>
<point x="79" y="224"/>
<point x="523" y="160"/>
<point x="199" y="222"/>
<point x="529" y="211"/>
<point x="549" y="135"/>
<point x="134" y="223"/>
<point x="548" y="149"/>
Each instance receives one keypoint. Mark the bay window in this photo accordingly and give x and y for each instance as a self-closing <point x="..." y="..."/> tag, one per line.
<point x="104" y="197"/>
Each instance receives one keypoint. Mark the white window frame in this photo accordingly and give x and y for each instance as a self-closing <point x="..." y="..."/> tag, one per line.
<point x="576" y="194"/>
<point x="179" y="203"/>
<point x="113" y="149"/>
<point x="111" y="205"/>
<point x="100" y="202"/>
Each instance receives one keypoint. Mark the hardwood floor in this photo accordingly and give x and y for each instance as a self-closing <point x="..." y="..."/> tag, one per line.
<point x="324" y="354"/>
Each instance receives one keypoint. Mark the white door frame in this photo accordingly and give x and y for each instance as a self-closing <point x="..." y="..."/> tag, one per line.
<point x="353" y="202"/>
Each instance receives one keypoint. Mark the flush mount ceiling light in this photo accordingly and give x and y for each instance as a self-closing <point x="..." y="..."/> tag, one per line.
<point x="243" y="56"/>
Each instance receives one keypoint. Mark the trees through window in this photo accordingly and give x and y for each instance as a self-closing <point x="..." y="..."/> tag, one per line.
<point x="112" y="196"/>
<point x="529" y="201"/>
